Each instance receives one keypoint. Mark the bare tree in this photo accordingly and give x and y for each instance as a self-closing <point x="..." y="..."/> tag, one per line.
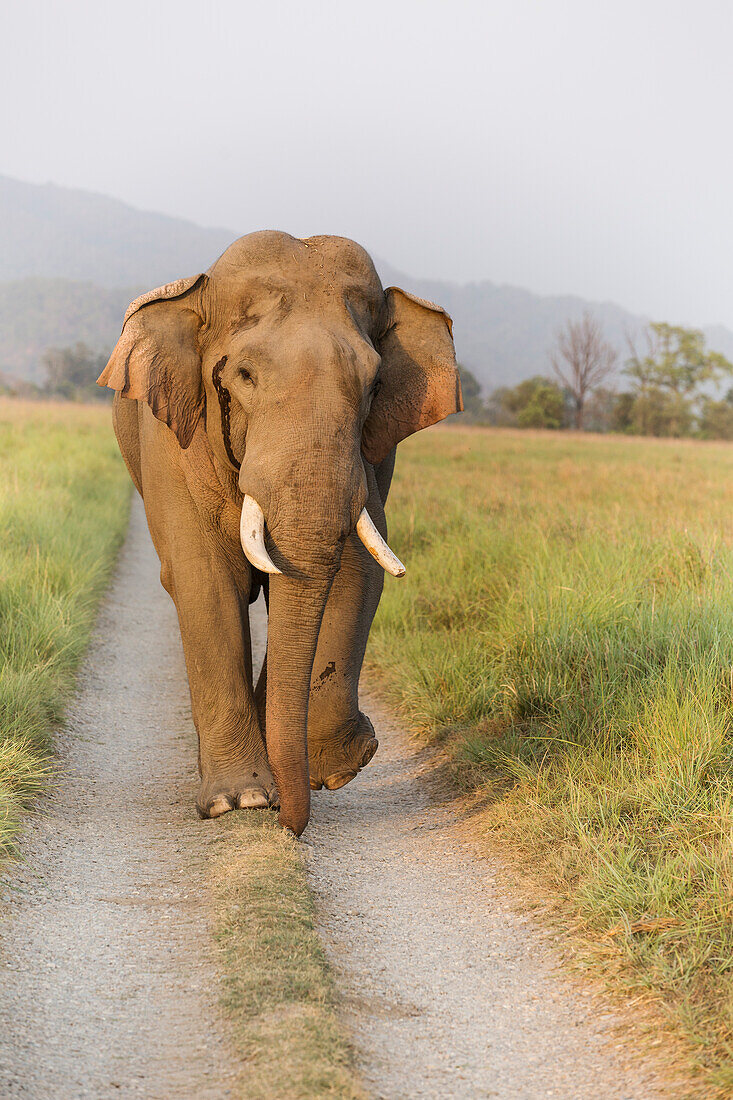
<point x="582" y="360"/>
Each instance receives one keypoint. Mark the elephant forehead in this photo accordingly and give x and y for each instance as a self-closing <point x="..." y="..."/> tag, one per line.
<point x="268" y="246"/>
<point x="323" y="261"/>
<point x="344" y="256"/>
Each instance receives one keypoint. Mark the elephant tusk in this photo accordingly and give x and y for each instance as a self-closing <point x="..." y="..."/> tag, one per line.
<point x="376" y="545"/>
<point x="252" y="534"/>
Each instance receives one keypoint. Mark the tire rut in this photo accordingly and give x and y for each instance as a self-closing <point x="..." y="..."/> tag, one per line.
<point x="106" y="984"/>
<point x="449" y="989"/>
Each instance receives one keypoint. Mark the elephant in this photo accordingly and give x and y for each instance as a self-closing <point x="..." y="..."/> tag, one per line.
<point x="257" y="407"/>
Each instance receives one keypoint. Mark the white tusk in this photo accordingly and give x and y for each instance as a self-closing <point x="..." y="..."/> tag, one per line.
<point x="252" y="534"/>
<point x="376" y="545"/>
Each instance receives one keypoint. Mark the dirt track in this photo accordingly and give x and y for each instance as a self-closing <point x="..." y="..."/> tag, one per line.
<point x="106" y="988"/>
<point x="449" y="990"/>
<point x="105" y="984"/>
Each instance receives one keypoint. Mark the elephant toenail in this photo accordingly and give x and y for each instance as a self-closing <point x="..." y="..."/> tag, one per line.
<point x="371" y="747"/>
<point x="333" y="782"/>
<point x="219" y="806"/>
<point x="253" y="798"/>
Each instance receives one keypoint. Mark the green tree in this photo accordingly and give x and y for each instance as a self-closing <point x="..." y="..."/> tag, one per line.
<point x="658" y="412"/>
<point x="622" y="414"/>
<point x="716" y="418"/>
<point x="535" y="403"/>
<point x="72" y="373"/>
<point x="666" y="381"/>
<point x="473" y="404"/>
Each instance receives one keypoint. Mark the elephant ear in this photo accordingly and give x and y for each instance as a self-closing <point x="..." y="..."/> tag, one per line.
<point x="418" y="375"/>
<point x="157" y="359"/>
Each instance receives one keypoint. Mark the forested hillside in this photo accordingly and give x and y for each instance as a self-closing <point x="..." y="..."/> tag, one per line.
<point x="39" y="313"/>
<point x="58" y="232"/>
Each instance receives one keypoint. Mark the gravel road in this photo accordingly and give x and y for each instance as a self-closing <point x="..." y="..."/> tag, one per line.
<point x="106" y="985"/>
<point x="448" y="988"/>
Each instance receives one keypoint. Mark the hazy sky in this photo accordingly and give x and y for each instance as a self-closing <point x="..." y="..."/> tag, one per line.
<point x="576" y="146"/>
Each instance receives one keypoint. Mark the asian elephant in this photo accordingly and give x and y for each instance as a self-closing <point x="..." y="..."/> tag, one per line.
<point x="258" y="408"/>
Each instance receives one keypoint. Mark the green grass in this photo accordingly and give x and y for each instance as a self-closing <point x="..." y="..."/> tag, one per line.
<point x="565" y="632"/>
<point x="64" y="499"/>
<point x="277" y="991"/>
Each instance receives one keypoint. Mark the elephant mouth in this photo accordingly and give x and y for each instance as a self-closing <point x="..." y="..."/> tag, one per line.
<point x="252" y="535"/>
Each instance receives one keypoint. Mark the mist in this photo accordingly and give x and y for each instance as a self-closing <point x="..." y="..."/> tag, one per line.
<point x="565" y="147"/>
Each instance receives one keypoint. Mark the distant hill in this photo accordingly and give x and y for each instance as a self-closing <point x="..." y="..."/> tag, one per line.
<point x="503" y="333"/>
<point x="58" y="232"/>
<point x="39" y="313"/>
<point x="70" y="261"/>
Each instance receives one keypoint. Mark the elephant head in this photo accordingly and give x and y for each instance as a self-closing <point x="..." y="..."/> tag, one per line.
<point x="303" y="373"/>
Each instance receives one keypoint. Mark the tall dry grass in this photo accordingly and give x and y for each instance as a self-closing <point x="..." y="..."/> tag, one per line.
<point x="64" y="498"/>
<point x="565" y="630"/>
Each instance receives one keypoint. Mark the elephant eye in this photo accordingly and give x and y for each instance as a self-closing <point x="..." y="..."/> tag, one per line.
<point x="244" y="374"/>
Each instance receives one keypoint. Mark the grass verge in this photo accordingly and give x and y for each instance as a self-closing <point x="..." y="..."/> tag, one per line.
<point x="565" y="632"/>
<point x="64" y="498"/>
<point x="278" y="993"/>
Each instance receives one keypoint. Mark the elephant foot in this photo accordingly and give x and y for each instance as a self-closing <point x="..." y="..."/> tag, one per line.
<point x="249" y="788"/>
<point x="336" y="761"/>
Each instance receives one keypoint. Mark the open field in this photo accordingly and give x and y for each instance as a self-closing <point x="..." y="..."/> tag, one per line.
<point x="64" y="495"/>
<point x="565" y="632"/>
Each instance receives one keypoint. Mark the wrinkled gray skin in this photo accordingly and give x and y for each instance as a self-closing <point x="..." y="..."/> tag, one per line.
<point x="288" y="374"/>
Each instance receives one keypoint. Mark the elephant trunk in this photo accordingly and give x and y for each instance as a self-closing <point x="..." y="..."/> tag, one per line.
<point x="298" y="542"/>
<point x="295" y="613"/>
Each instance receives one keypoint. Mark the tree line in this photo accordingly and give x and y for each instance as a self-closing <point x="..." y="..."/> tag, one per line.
<point x="69" y="374"/>
<point x="668" y="390"/>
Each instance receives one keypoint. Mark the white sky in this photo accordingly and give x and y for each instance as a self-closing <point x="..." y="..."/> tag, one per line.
<point x="576" y="146"/>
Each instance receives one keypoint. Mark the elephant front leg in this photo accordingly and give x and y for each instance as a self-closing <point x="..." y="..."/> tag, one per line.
<point x="215" y="632"/>
<point x="341" y="739"/>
